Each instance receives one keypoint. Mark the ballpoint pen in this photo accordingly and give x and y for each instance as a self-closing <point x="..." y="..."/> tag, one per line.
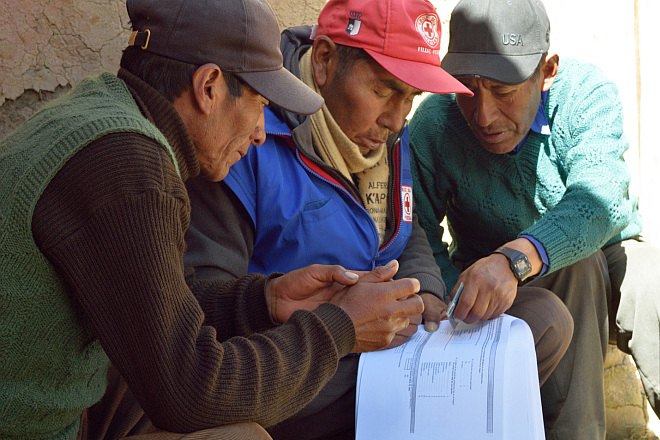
<point x="452" y="306"/>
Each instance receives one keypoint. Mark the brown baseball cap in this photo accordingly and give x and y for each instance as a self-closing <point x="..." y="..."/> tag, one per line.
<point x="240" y="36"/>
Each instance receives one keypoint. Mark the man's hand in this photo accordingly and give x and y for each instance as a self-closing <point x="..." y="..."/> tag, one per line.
<point x="489" y="289"/>
<point x="380" y="307"/>
<point x="305" y="289"/>
<point x="402" y="335"/>
<point x="435" y="310"/>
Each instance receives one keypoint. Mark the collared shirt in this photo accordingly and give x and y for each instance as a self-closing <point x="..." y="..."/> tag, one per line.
<point x="540" y="125"/>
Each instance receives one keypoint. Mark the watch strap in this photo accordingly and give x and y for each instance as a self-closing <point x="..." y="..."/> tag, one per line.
<point x="514" y="257"/>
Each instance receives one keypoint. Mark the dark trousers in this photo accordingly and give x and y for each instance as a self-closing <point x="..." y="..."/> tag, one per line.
<point x="119" y="416"/>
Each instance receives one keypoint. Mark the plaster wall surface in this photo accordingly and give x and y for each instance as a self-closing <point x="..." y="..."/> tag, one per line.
<point x="46" y="47"/>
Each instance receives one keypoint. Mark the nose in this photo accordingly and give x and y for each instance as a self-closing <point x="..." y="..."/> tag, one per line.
<point x="258" y="136"/>
<point x="394" y="116"/>
<point x="486" y="111"/>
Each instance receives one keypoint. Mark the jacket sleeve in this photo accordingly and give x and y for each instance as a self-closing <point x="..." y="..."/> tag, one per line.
<point x="430" y="199"/>
<point x="220" y="238"/>
<point x="416" y="261"/>
<point x="117" y="241"/>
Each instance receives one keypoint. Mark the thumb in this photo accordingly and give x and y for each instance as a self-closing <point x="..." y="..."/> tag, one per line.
<point x="334" y="273"/>
<point x="381" y="273"/>
<point x="307" y="280"/>
<point x="434" y="311"/>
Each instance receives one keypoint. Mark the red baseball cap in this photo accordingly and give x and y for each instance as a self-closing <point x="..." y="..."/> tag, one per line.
<point x="403" y="36"/>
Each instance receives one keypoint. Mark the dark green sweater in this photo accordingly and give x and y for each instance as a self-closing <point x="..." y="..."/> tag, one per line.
<point x="568" y="190"/>
<point x="51" y="364"/>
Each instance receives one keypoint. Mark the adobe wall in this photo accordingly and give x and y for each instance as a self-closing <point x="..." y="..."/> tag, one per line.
<point x="46" y="47"/>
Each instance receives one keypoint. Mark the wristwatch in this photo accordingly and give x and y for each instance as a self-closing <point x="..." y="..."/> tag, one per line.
<point x="518" y="262"/>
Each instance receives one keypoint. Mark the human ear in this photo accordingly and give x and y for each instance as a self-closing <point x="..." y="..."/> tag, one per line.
<point x="323" y="59"/>
<point x="549" y="70"/>
<point x="208" y="86"/>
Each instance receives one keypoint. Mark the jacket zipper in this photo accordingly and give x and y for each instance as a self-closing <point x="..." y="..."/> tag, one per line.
<point x="340" y="182"/>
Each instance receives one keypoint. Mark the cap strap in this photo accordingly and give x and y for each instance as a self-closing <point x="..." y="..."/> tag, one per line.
<point x="139" y="38"/>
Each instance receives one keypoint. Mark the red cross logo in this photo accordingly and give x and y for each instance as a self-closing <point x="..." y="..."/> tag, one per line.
<point x="428" y="27"/>
<point x="406" y="195"/>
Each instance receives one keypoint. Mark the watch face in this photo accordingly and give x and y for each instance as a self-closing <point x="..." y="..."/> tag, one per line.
<point x="522" y="266"/>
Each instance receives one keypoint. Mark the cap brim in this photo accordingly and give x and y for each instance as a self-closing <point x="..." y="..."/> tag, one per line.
<point x="283" y="89"/>
<point x="422" y="76"/>
<point x="495" y="67"/>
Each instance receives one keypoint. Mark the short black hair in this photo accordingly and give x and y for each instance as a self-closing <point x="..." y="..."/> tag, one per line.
<point x="168" y="76"/>
<point x="348" y="57"/>
<point x="539" y="66"/>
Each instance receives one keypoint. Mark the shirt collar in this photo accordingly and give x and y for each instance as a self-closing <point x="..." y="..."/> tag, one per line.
<point x="540" y="124"/>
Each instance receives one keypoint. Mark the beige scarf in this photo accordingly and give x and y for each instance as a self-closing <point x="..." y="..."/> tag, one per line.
<point x="370" y="173"/>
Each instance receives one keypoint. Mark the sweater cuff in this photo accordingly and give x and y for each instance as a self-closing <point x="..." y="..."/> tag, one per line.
<point x="430" y="284"/>
<point x="339" y="325"/>
<point x="257" y="312"/>
<point x="553" y="241"/>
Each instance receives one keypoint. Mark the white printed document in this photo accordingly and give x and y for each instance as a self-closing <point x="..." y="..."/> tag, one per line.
<point x="477" y="382"/>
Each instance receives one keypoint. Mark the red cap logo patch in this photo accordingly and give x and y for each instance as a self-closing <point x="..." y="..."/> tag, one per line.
<point x="427" y="26"/>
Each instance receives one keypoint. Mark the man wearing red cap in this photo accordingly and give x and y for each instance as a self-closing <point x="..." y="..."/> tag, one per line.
<point x="336" y="188"/>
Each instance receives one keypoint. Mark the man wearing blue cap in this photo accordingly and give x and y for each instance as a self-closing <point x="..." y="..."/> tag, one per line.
<point x="92" y="220"/>
<point x="530" y="176"/>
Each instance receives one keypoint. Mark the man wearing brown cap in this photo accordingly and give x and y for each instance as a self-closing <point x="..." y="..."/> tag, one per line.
<point x="92" y="221"/>
<point x="530" y="176"/>
<point x="342" y="183"/>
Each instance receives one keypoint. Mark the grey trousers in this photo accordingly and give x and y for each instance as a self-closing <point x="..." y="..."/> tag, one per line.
<point x="634" y="269"/>
<point x="238" y="431"/>
<point x="620" y="305"/>
<point x="573" y="397"/>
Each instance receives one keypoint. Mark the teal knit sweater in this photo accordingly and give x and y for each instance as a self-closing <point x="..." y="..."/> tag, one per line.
<point x="568" y="190"/>
<point x="57" y="367"/>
